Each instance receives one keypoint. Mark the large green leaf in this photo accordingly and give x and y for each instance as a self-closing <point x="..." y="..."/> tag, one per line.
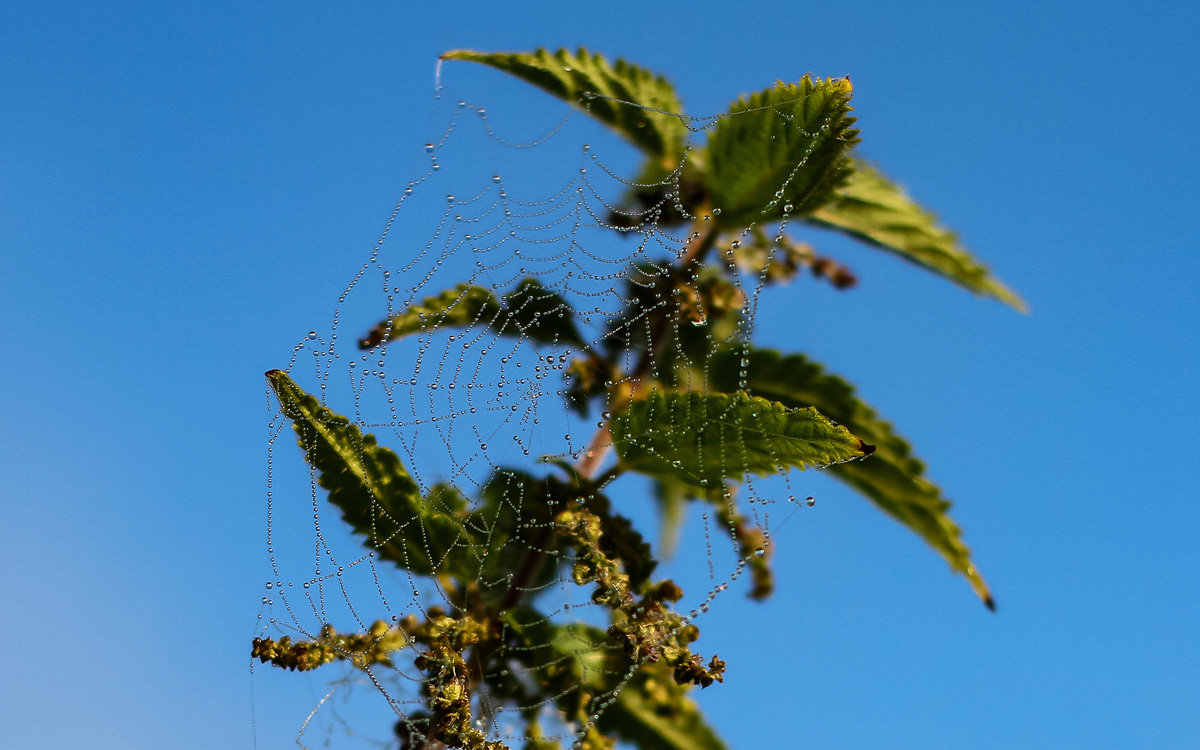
<point x="781" y="151"/>
<point x="893" y="478"/>
<point x="636" y="103"/>
<point x="374" y="492"/>
<point x="704" y="439"/>
<point x="531" y="311"/>
<point x="876" y="210"/>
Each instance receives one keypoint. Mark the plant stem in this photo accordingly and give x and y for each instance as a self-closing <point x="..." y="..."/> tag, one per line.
<point x="700" y="239"/>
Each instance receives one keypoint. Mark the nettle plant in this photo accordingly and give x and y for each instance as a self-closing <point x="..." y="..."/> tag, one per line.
<point x="649" y="348"/>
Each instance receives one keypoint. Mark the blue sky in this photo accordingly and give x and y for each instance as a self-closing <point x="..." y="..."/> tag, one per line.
<point x="185" y="191"/>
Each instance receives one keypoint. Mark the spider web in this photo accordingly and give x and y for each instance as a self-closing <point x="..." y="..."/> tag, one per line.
<point x="519" y="192"/>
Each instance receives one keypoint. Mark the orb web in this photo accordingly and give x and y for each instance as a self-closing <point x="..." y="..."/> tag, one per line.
<point x="471" y="341"/>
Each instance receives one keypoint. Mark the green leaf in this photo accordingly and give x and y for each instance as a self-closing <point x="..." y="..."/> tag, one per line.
<point x="636" y="103"/>
<point x="513" y="517"/>
<point x="530" y="311"/>
<point x="785" y="146"/>
<point x="874" y="209"/>
<point x="672" y="496"/>
<point x="703" y="439"/>
<point x="892" y="478"/>
<point x="653" y="713"/>
<point x="375" y="494"/>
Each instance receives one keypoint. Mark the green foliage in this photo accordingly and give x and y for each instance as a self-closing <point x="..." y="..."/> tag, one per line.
<point x="685" y="399"/>
<point x="893" y="478"/>
<point x="876" y="210"/>
<point x="604" y="91"/>
<point x="654" y="712"/>
<point x="702" y="439"/>
<point x="375" y="493"/>
<point x="781" y="151"/>
<point x="529" y="311"/>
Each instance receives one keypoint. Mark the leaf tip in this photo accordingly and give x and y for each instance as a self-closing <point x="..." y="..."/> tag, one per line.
<point x="866" y="448"/>
<point x="275" y="374"/>
<point x="989" y="602"/>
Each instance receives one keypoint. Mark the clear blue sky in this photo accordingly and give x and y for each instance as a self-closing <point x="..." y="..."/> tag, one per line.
<point x="185" y="190"/>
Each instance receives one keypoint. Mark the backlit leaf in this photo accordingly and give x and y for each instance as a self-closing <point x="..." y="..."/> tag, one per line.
<point x="654" y="713"/>
<point x="531" y="311"/>
<point x="636" y="103"/>
<point x="651" y="712"/>
<point x="874" y="209"/>
<point x="782" y="147"/>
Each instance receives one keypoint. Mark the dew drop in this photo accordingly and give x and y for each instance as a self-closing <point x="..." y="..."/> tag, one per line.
<point x="810" y="500"/>
<point x="760" y="552"/>
<point x="429" y="148"/>
<point x="716" y="212"/>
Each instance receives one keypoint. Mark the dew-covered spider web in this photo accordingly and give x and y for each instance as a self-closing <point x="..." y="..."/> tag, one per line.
<point x="538" y="276"/>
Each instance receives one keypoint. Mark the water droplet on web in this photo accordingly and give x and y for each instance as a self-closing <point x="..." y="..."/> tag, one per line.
<point x="716" y="212"/>
<point x="810" y="500"/>
<point x="760" y="552"/>
<point x="787" y="208"/>
<point x="429" y="148"/>
<point x="496" y="179"/>
<point x="312" y="335"/>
